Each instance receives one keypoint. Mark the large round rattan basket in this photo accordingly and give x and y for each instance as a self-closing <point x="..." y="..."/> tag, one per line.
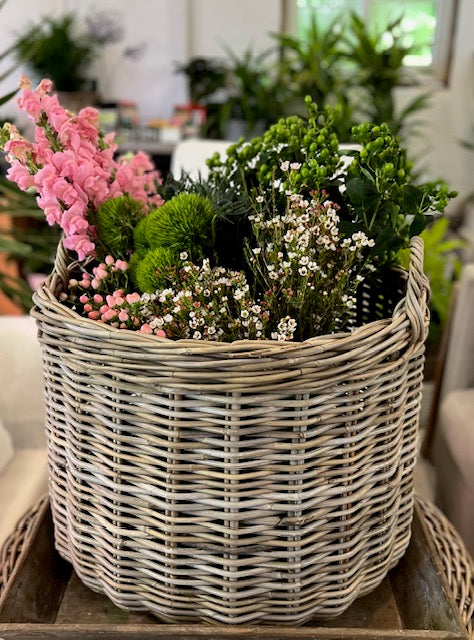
<point x="234" y="482"/>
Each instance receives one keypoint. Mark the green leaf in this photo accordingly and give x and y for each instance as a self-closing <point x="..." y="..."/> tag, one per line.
<point x="6" y="98"/>
<point x="419" y="222"/>
<point x="412" y="199"/>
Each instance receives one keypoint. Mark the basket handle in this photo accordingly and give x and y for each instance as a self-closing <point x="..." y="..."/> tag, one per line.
<point x="418" y="293"/>
<point x="62" y="264"/>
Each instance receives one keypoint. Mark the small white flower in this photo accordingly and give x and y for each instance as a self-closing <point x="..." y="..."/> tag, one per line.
<point x="259" y="199"/>
<point x="295" y="166"/>
<point x="303" y="271"/>
<point x="285" y="165"/>
<point x="256" y="250"/>
<point x="244" y="313"/>
<point x="197" y="335"/>
<point x="183" y="255"/>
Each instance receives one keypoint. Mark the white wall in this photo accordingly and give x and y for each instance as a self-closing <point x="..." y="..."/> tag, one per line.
<point x="237" y="24"/>
<point x="156" y="27"/>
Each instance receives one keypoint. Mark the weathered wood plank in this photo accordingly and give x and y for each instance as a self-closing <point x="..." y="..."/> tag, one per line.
<point x="422" y="600"/>
<point x="36" y="587"/>
<point x="377" y="610"/>
<point x="198" y="632"/>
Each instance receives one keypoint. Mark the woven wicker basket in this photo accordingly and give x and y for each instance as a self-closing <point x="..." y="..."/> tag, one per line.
<point x="250" y="481"/>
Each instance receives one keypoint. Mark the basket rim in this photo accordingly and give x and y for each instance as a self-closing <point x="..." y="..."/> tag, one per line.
<point x="46" y="299"/>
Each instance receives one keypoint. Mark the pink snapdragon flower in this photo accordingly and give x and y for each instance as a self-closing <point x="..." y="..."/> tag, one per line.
<point x="72" y="166"/>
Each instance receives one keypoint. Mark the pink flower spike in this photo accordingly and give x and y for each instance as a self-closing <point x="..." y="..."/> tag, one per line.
<point x="20" y="174"/>
<point x="98" y="298"/>
<point x="95" y="283"/>
<point x="93" y="315"/>
<point x="109" y="260"/>
<point x="132" y="297"/>
<point x="87" y="308"/>
<point x="160" y="333"/>
<point x="84" y="298"/>
<point x="123" y="316"/>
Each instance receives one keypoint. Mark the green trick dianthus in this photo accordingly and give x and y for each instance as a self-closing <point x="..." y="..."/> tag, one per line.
<point x="155" y="270"/>
<point x="116" y="220"/>
<point x="139" y="237"/>
<point x="184" y="223"/>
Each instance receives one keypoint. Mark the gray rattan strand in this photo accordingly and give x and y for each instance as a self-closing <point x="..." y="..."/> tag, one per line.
<point x="251" y="481"/>
<point x="455" y="559"/>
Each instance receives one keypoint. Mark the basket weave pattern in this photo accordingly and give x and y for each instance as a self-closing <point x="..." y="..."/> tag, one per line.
<point x="251" y="481"/>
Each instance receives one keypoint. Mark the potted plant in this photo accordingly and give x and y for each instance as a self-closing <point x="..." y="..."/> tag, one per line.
<point x="243" y="94"/>
<point x="377" y="60"/>
<point x="57" y="49"/>
<point x="233" y="368"/>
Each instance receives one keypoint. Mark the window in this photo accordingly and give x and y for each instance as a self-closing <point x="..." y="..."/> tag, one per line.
<point x="427" y="25"/>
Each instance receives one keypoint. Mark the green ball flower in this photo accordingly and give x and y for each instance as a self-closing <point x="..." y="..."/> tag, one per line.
<point x="115" y="220"/>
<point x="139" y="237"/>
<point x="133" y="263"/>
<point x="184" y="223"/>
<point x="155" y="270"/>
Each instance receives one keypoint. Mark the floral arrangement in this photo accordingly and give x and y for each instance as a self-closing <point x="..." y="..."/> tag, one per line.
<point x="273" y="245"/>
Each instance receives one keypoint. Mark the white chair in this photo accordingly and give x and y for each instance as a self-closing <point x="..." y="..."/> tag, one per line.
<point x="454" y="440"/>
<point x="23" y="460"/>
<point x="189" y="156"/>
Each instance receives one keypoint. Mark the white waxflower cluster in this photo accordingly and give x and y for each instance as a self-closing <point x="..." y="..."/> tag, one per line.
<point x="305" y="265"/>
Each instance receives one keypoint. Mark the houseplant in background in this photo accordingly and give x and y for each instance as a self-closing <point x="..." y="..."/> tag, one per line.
<point x="376" y="63"/>
<point x="176" y="392"/>
<point x="310" y="64"/>
<point x="242" y="94"/>
<point x="346" y="63"/>
<point x="29" y="241"/>
<point x="57" y="49"/>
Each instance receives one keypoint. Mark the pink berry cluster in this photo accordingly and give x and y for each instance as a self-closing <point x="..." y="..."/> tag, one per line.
<point x="118" y="308"/>
<point x="72" y="167"/>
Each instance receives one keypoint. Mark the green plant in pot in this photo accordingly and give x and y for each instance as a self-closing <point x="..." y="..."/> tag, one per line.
<point x="56" y="48"/>
<point x="311" y="64"/>
<point x="30" y="242"/>
<point x="376" y="60"/>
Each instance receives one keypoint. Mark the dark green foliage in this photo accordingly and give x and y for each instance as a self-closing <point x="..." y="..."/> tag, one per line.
<point x="382" y="199"/>
<point x="184" y="223"/>
<point x="379" y="195"/>
<point x="231" y="215"/>
<point x="155" y="270"/>
<point x="116" y="220"/>
<point x="133" y="263"/>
